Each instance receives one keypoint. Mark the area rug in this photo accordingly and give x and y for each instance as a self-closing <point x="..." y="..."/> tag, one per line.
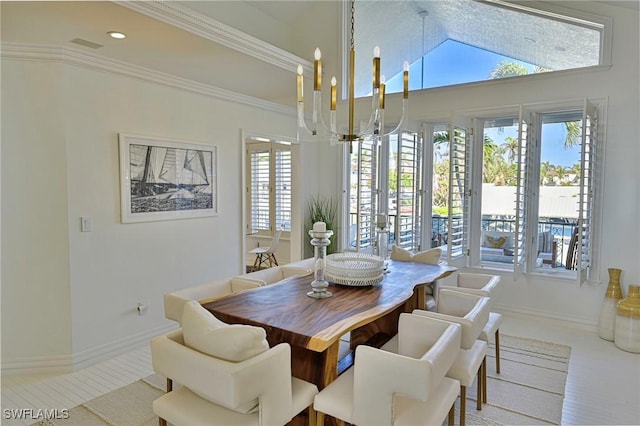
<point x="530" y="387"/>
<point x="528" y="391"/>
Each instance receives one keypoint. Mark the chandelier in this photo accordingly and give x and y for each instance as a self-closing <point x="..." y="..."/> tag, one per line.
<point x="374" y="128"/>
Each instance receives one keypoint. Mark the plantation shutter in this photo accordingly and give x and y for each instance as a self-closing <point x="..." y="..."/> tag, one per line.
<point x="522" y="188"/>
<point x="269" y="187"/>
<point x="588" y="163"/>
<point x="409" y="191"/>
<point x="283" y="187"/>
<point x="459" y="163"/>
<point x="259" y="157"/>
<point x="366" y="157"/>
<point x="426" y="193"/>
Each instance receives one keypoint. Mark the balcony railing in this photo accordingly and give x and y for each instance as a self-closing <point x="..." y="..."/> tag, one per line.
<point x="561" y="230"/>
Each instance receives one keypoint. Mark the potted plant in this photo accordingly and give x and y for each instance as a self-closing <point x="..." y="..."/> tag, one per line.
<point x="324" y="209"/>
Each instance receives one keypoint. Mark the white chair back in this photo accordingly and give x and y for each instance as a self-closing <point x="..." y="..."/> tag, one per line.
<point x="275" y="242"/>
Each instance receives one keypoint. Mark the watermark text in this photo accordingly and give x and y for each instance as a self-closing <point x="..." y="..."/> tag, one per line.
<point x="35" y="413"/>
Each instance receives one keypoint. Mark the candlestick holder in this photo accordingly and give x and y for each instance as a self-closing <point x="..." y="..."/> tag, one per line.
<point x="382" y="238"/>
<point x="320" y="241"/>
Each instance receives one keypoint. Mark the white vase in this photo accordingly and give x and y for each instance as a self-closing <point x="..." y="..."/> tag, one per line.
<point x="627" y="334"/>
<point x="607" y="320"/>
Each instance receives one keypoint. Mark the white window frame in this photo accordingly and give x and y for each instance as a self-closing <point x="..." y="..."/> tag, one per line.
<point x="590" y="194"/>
<point x="276" y="218"/>
<point x="372" y="190"/>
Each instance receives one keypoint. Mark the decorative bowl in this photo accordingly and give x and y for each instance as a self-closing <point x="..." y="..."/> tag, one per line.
<point x="354" y="269"/>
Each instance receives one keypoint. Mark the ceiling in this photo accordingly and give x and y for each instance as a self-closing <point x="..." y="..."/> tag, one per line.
<point x="188" y="40"/>
<point x="184" y="48"/>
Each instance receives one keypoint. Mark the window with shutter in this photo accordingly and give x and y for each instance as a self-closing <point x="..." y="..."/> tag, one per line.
<point x="269" y="187"/>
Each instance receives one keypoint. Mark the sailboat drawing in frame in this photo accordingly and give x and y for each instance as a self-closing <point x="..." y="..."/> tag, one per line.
<point x="164" y="179"/>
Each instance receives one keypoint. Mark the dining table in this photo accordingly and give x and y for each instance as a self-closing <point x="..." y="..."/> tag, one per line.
<point x="314" y="327"/>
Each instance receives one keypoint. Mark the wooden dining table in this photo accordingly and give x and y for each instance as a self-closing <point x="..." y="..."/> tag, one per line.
<point x="313" y="327"/>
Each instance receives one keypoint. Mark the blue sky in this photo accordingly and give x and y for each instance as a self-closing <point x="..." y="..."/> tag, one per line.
<point x="451" y="63"/>
<point x="553" y="136"/>
<point x="456" y="63"/>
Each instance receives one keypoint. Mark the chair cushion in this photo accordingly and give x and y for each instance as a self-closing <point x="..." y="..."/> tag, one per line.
<point x="410" y="412"/>
<point x="183" y="407"/>
<point x="231" y="342"/>
<point x="466" y="365"/>
<point x="431" y="256"/>
<point x="337" y="401"/>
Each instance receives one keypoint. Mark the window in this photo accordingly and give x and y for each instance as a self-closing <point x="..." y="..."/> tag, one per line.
<point x="269" y="187"/>
<point x="386" y="178"/>
<point x="466" y="41"/>
<point x="515" y="190"/>
<point x="532" y="209"/>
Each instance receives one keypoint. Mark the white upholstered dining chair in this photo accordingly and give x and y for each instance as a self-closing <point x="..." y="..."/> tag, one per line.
<point x="407" y="388"/>
<point x="471" y="312"/>
<point x="228" y="375"/>
<point x="484" y="285"/>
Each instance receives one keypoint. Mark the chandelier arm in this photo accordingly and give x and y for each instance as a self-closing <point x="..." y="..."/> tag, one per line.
<point x="403" y="118"/>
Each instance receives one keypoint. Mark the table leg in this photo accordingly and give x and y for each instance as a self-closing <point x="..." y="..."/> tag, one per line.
<point x="320" y="368"/>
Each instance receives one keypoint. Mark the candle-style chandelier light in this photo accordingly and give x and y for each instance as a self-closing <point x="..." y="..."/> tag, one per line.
<point x="317" y="128"/>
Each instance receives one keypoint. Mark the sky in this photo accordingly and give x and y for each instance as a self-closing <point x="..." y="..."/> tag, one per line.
<point x="451" y="63"/>
<point x="455" y="63"/>
<point x="553" y="136"/>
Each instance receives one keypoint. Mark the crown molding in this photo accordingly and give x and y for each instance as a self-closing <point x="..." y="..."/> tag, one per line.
<point x="79" y="58"/>
<point x="206" y="27"/>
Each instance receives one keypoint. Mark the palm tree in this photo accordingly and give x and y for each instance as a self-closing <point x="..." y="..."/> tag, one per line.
<point x="513" y="69"/>
<point x="510" y="147"/>
<point x="545" y="172"/>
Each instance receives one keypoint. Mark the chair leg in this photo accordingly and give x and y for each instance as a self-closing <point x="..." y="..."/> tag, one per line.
<point x="484" y="380"/>
<point x="498" y="351"/>
<point x="273" y="258"/>
<point x="479" y="392"/>
<point x="319" y="418"/>
<point x="463" y="404"/>
<point x="256" y="263"/>
<point x="452" y="414"/>
<point x="312" y="416"/>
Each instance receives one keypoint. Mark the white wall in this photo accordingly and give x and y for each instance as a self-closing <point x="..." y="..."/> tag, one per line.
<point x="36" y="316"/>
<point x="71" y="293"/>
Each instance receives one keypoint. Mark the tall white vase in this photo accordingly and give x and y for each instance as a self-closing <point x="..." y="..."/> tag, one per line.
<point x="607" y="320"/>
<point x="627" y="334"/>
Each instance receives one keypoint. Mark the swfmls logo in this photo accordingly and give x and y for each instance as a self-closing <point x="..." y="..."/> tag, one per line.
<point x="35" y="414"/>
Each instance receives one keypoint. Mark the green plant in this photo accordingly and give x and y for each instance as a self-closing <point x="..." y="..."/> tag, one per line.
<point x="324" y="209"/>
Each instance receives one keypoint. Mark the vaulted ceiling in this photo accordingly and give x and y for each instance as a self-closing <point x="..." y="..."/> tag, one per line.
<point x="222" y="44"/>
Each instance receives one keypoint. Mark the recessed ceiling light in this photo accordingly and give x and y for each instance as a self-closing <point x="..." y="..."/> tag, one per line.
<point x="116" y="34"/>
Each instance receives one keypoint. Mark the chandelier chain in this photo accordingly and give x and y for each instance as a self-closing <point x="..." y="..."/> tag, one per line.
<point x="353" y="12"/>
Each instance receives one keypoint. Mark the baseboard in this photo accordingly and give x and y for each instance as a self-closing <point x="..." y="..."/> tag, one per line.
<point x="57" y="364"/>
<point x="91" y="356"/>
<point x="548" y="317"/>
<point x="61" y="364"/>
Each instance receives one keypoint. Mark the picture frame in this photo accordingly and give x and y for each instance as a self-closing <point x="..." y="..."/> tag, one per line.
<point x="165" y="179"/>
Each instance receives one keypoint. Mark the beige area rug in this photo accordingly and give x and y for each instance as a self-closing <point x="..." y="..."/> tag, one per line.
<point x="530" y="387"/>
<point x="528" y="391"/>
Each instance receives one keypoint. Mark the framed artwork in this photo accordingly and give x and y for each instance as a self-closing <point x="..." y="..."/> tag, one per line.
<point x="162" y="179"/>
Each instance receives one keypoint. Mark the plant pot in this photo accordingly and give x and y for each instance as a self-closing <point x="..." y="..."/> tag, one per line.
<point x="607" y="319"/>
<point x="627" y="334"/>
